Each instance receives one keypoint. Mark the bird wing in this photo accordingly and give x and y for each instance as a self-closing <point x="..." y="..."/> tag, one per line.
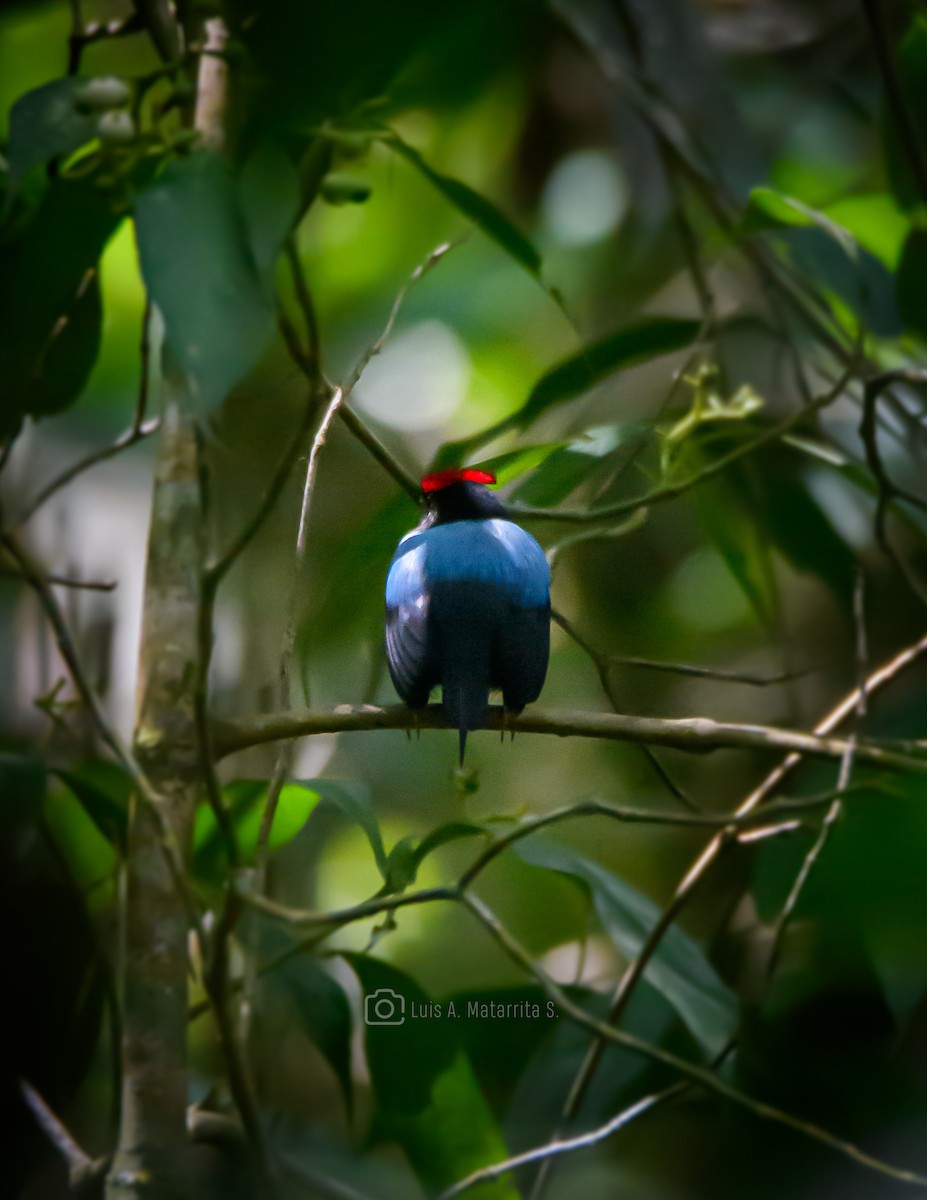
<point x="520" y="653"/>
<point x="409" y="644"/>
<point x="490" y="580"/>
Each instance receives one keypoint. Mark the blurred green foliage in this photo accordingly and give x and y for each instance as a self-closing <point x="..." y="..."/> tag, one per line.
<point x="680" y="226"/>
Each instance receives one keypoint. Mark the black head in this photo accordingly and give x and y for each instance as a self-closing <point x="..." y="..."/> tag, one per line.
<point x="460" y="494"/>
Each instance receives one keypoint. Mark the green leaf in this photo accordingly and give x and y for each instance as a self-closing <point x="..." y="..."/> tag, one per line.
<point x="909" y="282"/>
<point x="409" y="853"/>
<point x="515" y="463"/>
<point x="90" y="856"/>
<point x="22" y="790"/>
<point x="911" y="65"/>
<point x="427" y="1094"/>
<point x="356" y="803"/>
<point x="476" y="208"/>
<point x="678" y="970"/>
<point x="103" y="788"/>
<point x="877" y="223"/>
<point x="46" y="124"/>
<point x="799" y="528"/>
<point x="196" y="256"/>
<point x="709" y="406"/>
<point x="245" y="801"/>
<point x="268" y="188"/>
<point x="649" y="338"/>
<point x="728" y="507"/>
<point x="50" y="343"/>
<point x="323" y="1012"/>
<point x="769" y="209"/>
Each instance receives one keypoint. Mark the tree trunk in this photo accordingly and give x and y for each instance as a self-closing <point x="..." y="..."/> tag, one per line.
<point x="151" y="1157"/>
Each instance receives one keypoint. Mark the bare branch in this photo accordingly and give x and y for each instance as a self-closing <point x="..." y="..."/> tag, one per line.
<point x="843" y="781"/>
<point x="135" y="434"/>
<point x="608" y="512"/>
<point x="557" y="1147"/>
<point x="78" y="1160"/>
<point x="695" y="734"/>
<point x="888" y="489"/>
<point x="751" y="679"/>
<point x="706" y="859"/>
<point x="702" y="1076"/>
<point x="88" y="585"/>
<point x="896" y="101"/>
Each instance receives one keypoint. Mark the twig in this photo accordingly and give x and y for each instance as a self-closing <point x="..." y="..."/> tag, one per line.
<point x="68" y="650"/>
<point x="751" y="679"/>
<point x="313" y="354"/>
<point x="379" y="904"/>
<point x="305" y="362"/>
<point x="888" y="490"/>
<point x="78" y="1160"/>
<point x="691" y="1072"/>
<point x="686" y="733"/>
<point x="709" y="855"/>
<point x="702" y="1076"/>
<point x="317" y="1183"/>
<point x="89" y="585"/>
<point x="369" y="440"/>
<point x="607" y="512"/>
<point x="843" y="782"/>
<point x="144" y="368"/>
<point x="602" y="664"/>
<point x="558" y="1147"/>
<point x="132" y="435"/>
<point x="896" y="101"/>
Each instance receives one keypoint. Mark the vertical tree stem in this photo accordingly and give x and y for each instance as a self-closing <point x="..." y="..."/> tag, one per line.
<point x="150" y="1158"/>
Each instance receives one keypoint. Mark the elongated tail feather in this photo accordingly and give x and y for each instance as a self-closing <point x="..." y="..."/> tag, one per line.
<point x="463" y="744"/>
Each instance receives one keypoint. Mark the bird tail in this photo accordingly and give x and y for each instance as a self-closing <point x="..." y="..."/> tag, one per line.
<point x="465" y="706"/>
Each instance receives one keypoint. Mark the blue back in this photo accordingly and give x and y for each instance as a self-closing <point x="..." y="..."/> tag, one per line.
<point x="492" y="551"/>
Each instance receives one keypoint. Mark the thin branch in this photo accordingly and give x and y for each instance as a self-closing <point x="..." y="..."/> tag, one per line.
<point x="88" y="585"/>
<point x="608" y="512"/>
<point x="123" y="442"/>
<point x="351" y="420"/>
<point x="843" y="781"/>
<point x="686" y="733"/>
<point x="379" y="904"/>
<point x="369" y="440"/>
<point x="144" y="368"/>
<point x="702" y="1076"/>
<point x="313" y="354"/>
<point x="78" y="1160"/>
<point x="710" y="854"/>
<point x="888" y="490"/>
<point x="68" y="650"/>
<point x="691" y="1072"/>
<point x="751" y="679"/>
<point x="558" y="1147"/>
<point x="896" y="100"/>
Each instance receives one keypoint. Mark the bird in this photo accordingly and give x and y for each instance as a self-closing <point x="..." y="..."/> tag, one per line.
<point x="467" y="604"/>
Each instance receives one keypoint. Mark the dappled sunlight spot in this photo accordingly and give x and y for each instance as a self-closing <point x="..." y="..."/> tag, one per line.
<point x="586" y="197"/>
<point x="591" y="962"/>
<point x="419" y="380"/>
<point x="119" y="272"/>
<point x="705" y="595"/>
